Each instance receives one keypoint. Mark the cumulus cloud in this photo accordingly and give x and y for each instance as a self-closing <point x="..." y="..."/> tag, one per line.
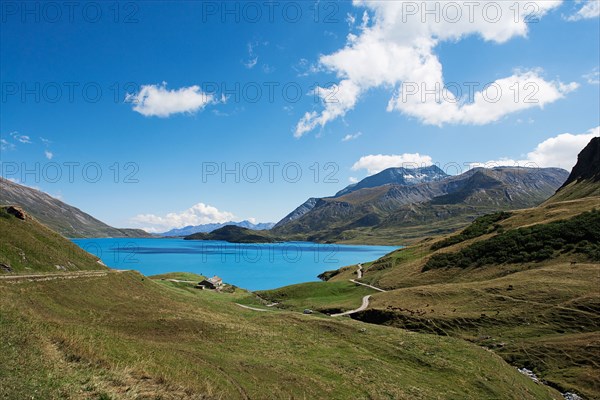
<point x="558" y="151"/>
<point x="395" y="46"/>
<point x="518" y="92"/>
<point x="49" y="155"/>
<point x="351" y="136"/>
<point x="157" y="100"/>
<point x="338" y="100"/>
<point x="352" y="179"/>
<point x="196" y="215"/>
<point x="590" y="9"/>
<point x="377" y="163"/>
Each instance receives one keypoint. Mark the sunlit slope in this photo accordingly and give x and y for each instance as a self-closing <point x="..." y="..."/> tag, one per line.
<point x="26" y="246"/>
<point x="127" y="336"/>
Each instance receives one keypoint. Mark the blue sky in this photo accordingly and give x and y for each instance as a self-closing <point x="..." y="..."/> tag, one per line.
<point x="153" y="95"/>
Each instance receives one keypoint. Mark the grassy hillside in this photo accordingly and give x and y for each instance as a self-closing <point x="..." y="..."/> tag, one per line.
<point x="28" y="246"/>
<point x="517" y="316"/>
<point x="183" y="276"/>
<point x="128" y="337"/>
<point x="63" y="218"/>
<point x="536" y="312"/>
<point x="325" y="297"/>
<point x="577" y="190"/>
<point x="576" y="237"/>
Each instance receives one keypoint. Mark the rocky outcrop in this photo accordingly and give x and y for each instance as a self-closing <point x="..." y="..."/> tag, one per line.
<point x="588" y="164"/>
<point x="16" y="212"/>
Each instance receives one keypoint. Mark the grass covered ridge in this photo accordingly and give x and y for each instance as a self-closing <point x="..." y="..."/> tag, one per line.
<point x="325" y="297"/>
<point x="535" y="312"/>
<point x="30" y="247"/>
<point x="128" y="337"/>
<point x="579" y="235"/>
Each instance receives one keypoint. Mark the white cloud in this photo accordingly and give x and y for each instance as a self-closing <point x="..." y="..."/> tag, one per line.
<point x="6" y="145"/>
<point x="590" y="9"/>
<point x="20" y="138"/>
<point x="304" y="68"/>
<point x="338" y="99"/>
<point x="396" y="44"/>
<point x="377" y="163"/>
<point x="251" y="63"/>
<point x="351" y="136"/>
<point x="252" y="57"/>
<point x="593" y="78"/>
<point x="157" y="100"/>
<point x="268" y="69"/>
<point x="559" y="151"/>
<point x="196" y="215"/>
<point x="49" y="155"/>
<point x="350" y="19"/>
<point x="353" y="179"/>
<point x="518" y="92"/>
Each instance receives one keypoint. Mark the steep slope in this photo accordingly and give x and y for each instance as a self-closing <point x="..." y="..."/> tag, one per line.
<point x="28" y="246"/>
<point x="442" y="205"/>
<point x="63" y="218"/>
<point x="298" y="212"/>
<point x="584" y="180"/>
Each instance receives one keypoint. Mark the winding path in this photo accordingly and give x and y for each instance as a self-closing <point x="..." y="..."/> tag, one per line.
<point x="369" y="286"/>
<point x="364" y="305"/>
<point x="359" y="275"/>
<point x="365" y="300"/>
<point x="252" y="308"/>
<point x="58" y="275"/>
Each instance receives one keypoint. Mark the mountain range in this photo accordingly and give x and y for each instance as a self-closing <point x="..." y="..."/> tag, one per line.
<point x="398" y="204"/>
<point x="67" y="220"/>
<point x="521" y="283"/>
<point x="397" y="176"/>
<point x="207" y="228"/>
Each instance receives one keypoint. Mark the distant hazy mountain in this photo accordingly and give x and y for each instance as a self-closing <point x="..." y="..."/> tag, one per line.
<point x="206" y="228"/>
<point x="436" y="204"/>
<point x="60" y="217"/>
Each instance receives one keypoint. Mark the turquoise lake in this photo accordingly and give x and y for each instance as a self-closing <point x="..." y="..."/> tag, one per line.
<point x="250" y="266"/>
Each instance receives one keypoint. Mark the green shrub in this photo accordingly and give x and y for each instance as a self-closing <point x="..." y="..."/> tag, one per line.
<point x="481" y="226"/>
<point x="580" y="234"/>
